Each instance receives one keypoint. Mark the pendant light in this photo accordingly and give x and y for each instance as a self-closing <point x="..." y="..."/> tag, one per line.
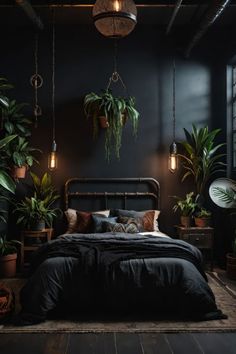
<point x="52" y="158"/>
<point x="115" y="18"/>
<point x="173" y="154"/>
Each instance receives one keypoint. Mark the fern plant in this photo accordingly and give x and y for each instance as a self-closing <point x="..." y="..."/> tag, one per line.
<point x="113" y="108"/>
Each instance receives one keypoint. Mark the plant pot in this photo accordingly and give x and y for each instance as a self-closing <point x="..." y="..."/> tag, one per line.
<point x="18" y="172"/>
<point x="37" y="225"/>
<point x="231" y="266"/>
<point x="8" y="265"/>
<point x="103" y="121"/>
<point x="202" y="222"/>
<point x="185" y="221"/>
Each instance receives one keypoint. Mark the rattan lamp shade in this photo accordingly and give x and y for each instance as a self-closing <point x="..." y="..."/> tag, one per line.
<point x="115" y="18"/>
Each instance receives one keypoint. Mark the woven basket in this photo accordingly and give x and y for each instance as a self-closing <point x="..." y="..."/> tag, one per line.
<point x="7" y="302"/>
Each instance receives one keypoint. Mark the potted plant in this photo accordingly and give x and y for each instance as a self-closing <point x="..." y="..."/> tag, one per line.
<point x="202" y="218"/>
<point x="187" y="207"/>
<point x="8" y="256"/>
<point x="20" y="157"/>
<point x="44" y="189"/>
<point x="14" y="121"/>
<point x="34" y="214"/>
<point x="111" y="112"/>
<point x="200" y="158"/>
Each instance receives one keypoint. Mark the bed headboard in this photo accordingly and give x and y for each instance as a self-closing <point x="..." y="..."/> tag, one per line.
<point x="107" y="193"/>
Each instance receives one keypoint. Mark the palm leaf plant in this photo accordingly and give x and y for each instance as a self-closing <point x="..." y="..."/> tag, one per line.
<point x="201" y="159"/>
<point x="114" y="109"/>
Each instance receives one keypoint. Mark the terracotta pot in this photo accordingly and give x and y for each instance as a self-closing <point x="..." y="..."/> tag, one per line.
<point x="124" y="118"/>
<point x="202" y="222"/>
<point x="8" y="265"/>
<point x="103" y="121"/>
<point x="18" y="172"/>
<point x="231" y="266"/>
<point x="185" y="221"/>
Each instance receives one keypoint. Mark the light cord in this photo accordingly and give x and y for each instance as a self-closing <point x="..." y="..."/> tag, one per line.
<point x="173" y="107"/>
<point x="53" y="78"/>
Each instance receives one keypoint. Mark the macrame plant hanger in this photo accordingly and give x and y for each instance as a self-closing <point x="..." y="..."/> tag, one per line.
<point x="36" y="81"/>
<point x="115" y="76"/>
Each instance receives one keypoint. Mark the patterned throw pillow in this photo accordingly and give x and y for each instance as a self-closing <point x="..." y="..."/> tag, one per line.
<point x="149" y="217"/>
<point x="138" y="222"/>
<point x="98" y="221"/>
<point x="118" y="227"/>
<point x="81" y="221"/>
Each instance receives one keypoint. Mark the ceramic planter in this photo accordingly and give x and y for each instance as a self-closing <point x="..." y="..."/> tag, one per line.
<point x="103" y="122"/>
<point x="202" y="222"/>
<point x="8" y="265"/>
<point x="37" y="225"/>
<point x="185" y="221"/>
<point x="18" y="172"/>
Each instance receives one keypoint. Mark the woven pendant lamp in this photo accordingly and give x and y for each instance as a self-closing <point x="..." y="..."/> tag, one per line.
<point x="115" y="18"/>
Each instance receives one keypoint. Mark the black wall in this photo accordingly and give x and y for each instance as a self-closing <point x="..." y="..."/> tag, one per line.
<point x="84" y="62"/>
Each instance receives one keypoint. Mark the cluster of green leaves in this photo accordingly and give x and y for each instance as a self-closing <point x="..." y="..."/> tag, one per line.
<point x="39" y="207"/>
<point x="4" y="85"/>
<point x="187" y="205"/>
<point x="8" y="247"/>
<point x="113" y="108"/>
<point x="227" y="195"/>
<point x="20" y="153"/>
<point x="14" y="121"/>
<point x="201" y="159"/>
<point x="203" y="213"/>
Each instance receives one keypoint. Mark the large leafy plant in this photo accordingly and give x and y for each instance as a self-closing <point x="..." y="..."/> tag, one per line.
<point x="15" y="121"/>
<point x="19" y="153"/>
<point x="201" y="158"/>
<point x="115" y="109"/>
<point x="44" y="189"/>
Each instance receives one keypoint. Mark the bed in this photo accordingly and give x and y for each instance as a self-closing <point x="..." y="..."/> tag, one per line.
<point x="114" y="259"/>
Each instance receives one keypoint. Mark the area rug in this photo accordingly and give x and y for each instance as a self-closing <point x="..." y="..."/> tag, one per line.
<point x="225" y="298"/>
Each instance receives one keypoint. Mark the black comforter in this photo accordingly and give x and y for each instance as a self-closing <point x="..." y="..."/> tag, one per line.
<point x="118" y="271"/>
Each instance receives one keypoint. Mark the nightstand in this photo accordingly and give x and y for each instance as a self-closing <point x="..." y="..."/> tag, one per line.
<point x="31" y="241"/>
<point x="201" y="237"/>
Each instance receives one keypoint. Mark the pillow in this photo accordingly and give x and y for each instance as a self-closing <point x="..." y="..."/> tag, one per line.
<point x="98" y="220"/>
<point x="118" y="227"/>
<point x="138" y="222"/>
<point x="149" y="217"/>
<point x="82" y="221"/>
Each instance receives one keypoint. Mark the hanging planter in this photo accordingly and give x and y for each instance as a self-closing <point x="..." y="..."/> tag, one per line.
<point x="111" y="112"/>
<point x="18" y="172"/>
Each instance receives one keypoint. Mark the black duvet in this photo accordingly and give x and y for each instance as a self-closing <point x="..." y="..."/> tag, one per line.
<point x="121" y="272"/>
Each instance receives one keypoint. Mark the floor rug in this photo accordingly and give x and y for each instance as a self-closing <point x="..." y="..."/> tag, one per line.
<point x="225" y="298"/>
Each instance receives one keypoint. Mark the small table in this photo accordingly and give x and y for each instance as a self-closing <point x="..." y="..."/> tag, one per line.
<point x="201" y="237"/>
<point x="31" y="241"/>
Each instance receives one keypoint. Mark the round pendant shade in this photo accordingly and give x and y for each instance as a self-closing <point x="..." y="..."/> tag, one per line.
<point x="115" y="18"/>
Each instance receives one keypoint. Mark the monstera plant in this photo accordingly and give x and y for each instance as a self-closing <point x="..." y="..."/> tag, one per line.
<point x="111" y="112"/>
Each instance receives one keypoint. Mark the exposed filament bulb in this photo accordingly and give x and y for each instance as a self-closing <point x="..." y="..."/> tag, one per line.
<point x="117" y="5"/>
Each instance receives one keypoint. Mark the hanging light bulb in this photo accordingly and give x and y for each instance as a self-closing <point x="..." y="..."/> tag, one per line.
<point x="52" y="158"/>
<point x="173" y="158"/>
<point x="117" y="5"/>
<point x="115" y="18"/>
<point x="173" y="154"/>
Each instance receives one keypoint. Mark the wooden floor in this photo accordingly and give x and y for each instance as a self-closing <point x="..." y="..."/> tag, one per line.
<point x="119" y="343"/>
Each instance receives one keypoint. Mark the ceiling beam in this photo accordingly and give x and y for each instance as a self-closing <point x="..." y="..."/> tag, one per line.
<point x="30" y="12"/>
<point x="209" y="18"/>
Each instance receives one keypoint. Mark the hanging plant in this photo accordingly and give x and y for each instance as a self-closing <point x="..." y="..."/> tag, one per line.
<point x="114" y="111"/>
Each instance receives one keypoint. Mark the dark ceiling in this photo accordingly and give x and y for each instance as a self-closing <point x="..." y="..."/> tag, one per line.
<point x="194" y="18"/>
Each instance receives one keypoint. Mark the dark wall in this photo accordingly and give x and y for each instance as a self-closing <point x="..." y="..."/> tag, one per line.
<point x="84" y="62"/>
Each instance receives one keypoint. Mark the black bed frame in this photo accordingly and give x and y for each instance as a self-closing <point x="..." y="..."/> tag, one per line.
<point x="109" y="189"/>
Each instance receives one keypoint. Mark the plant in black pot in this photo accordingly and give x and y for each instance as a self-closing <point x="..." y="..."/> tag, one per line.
<point x="187" y="207"/>
<point x="111" y="112"/>
<point x="34" y="214"/>
<point x="8" y="256"/>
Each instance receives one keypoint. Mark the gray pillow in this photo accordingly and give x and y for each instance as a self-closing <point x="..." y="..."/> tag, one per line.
<point x="97" y="222"/>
